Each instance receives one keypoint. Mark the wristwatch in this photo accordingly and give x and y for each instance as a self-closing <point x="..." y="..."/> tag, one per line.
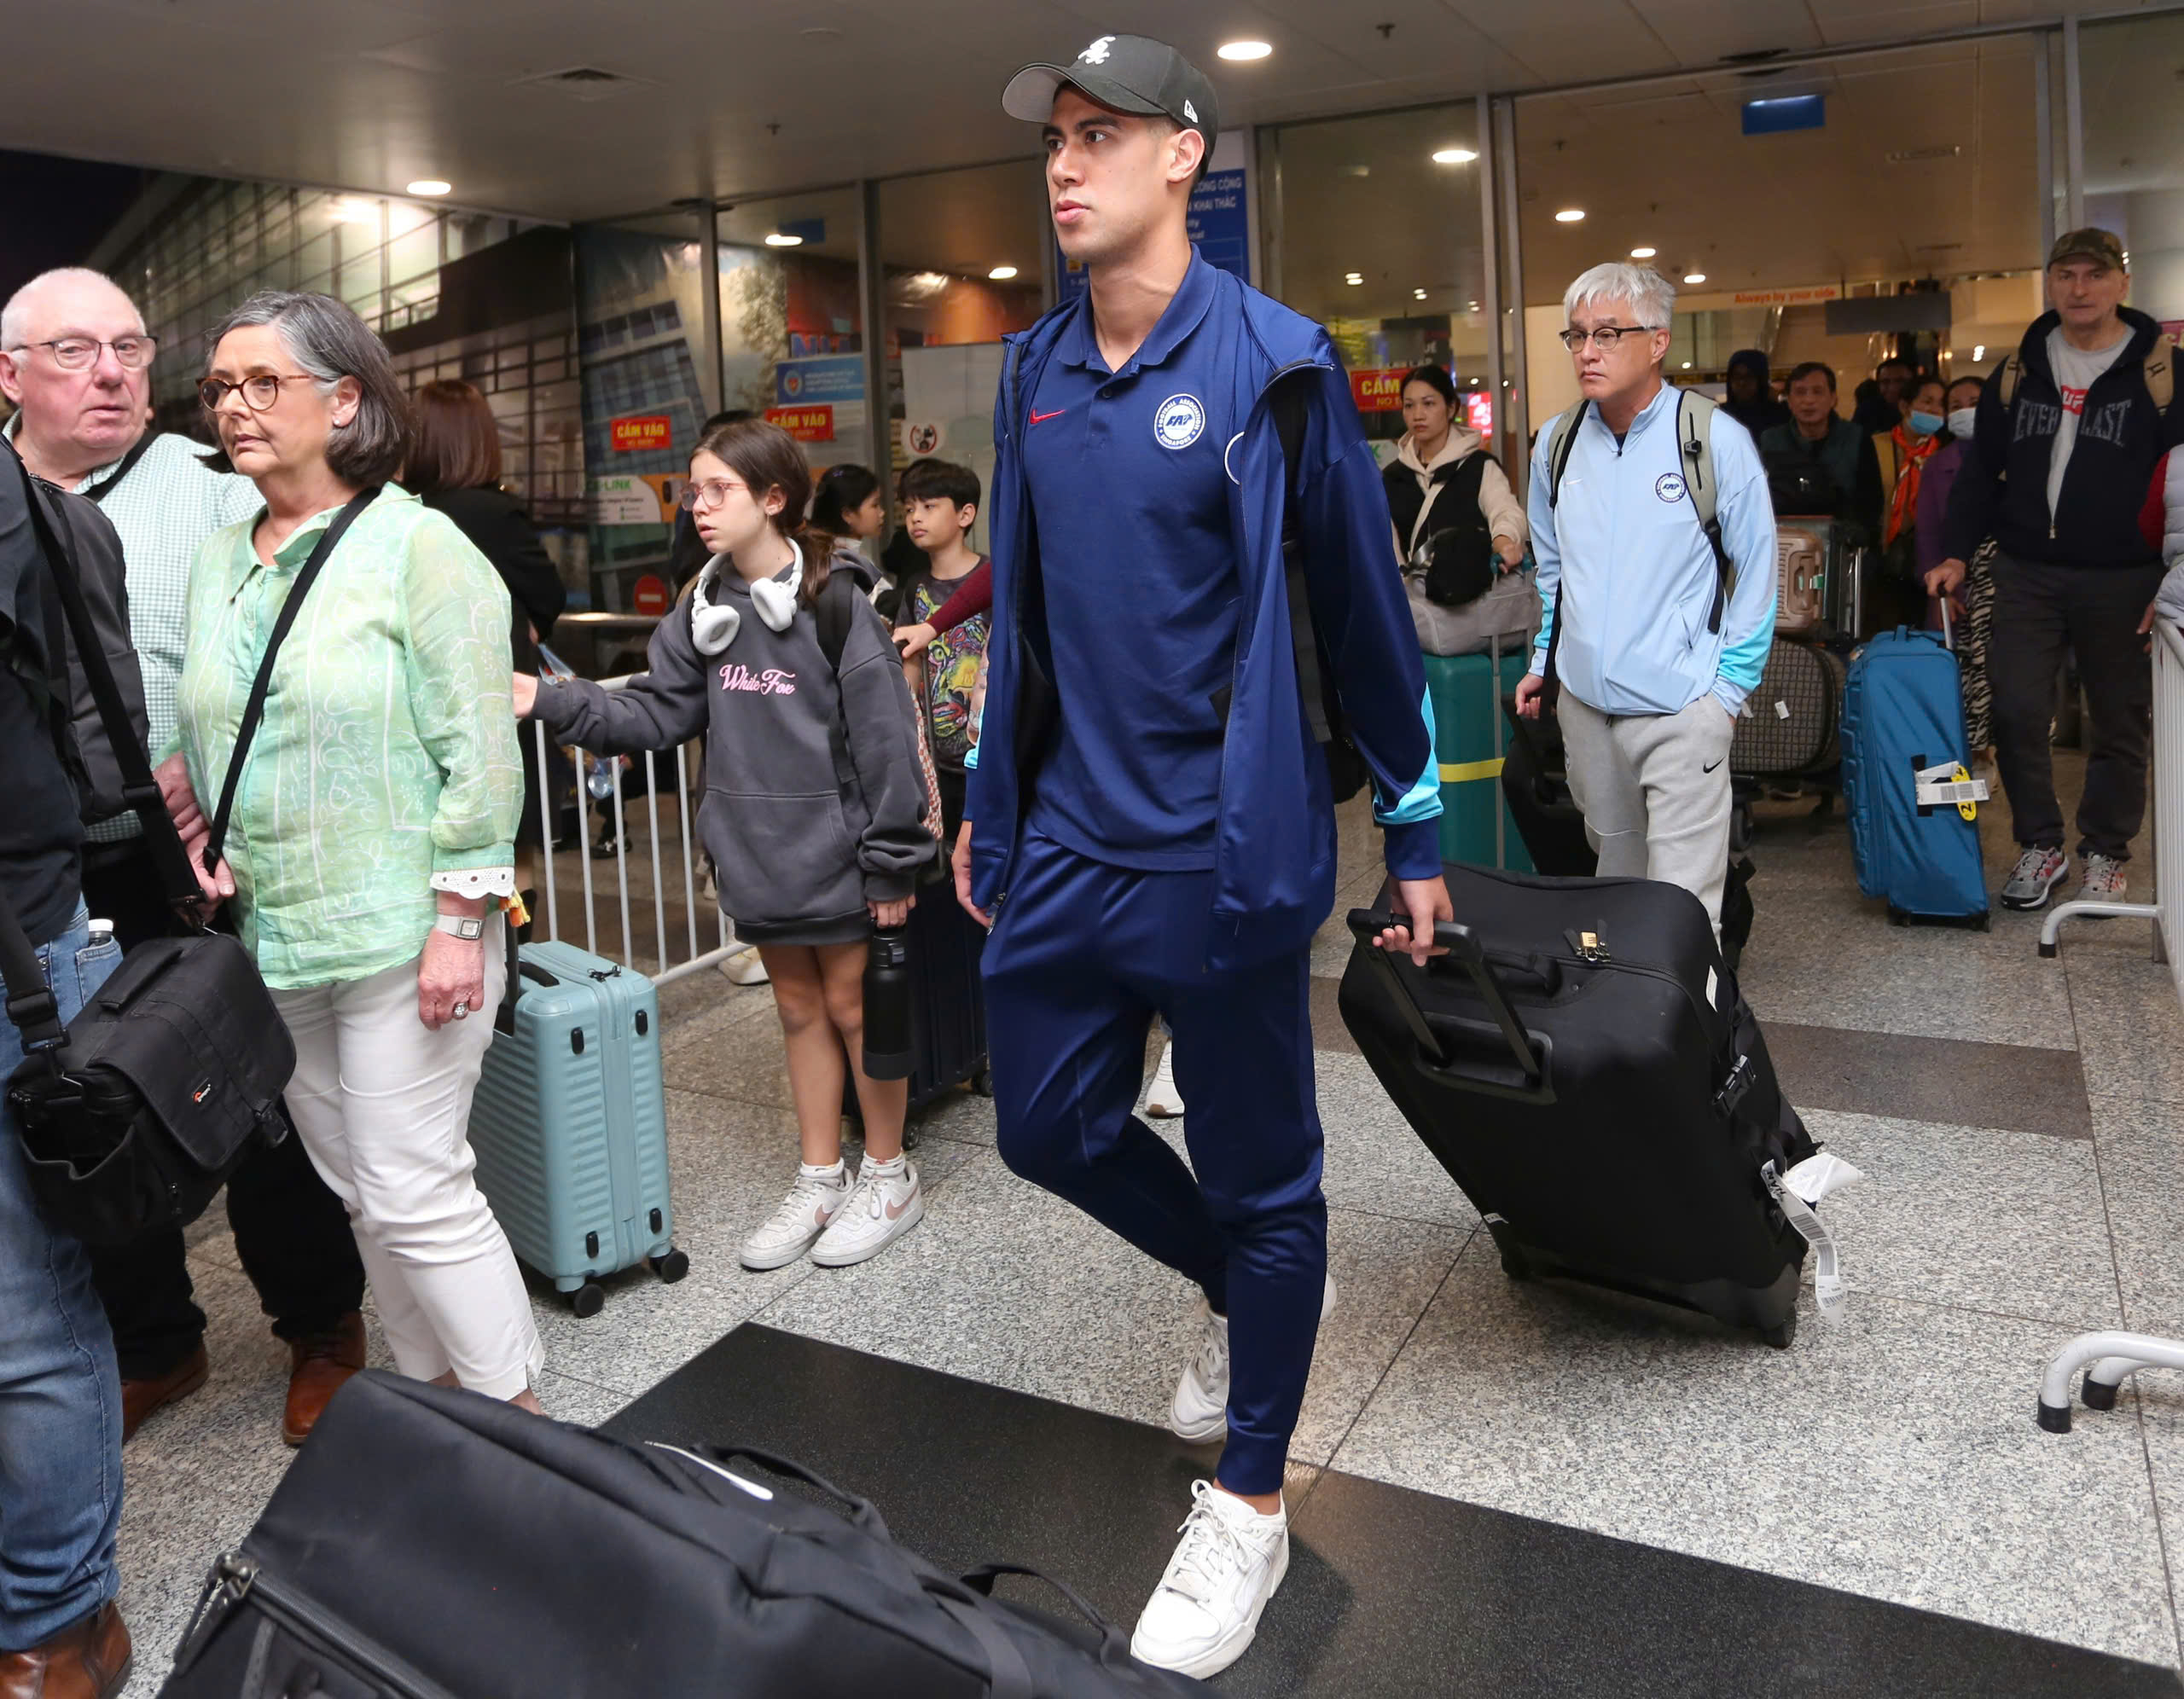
<point x="469" y="926"/>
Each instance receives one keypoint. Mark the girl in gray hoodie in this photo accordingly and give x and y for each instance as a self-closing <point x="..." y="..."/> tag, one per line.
<point x="813" y="812"/>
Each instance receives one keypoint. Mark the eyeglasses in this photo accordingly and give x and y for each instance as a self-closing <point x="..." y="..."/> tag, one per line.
<point x="1605" y="335"/>
<point x="81" y="353"/>
<point x="258" y="393"/>
<point x="710" y="494"/>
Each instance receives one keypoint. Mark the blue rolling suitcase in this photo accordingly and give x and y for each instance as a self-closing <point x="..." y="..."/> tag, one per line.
<point x="570" y="1123"/>
<point x="1913" y="803"/>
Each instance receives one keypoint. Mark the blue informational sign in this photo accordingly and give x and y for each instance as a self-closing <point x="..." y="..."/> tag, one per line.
<point x="1784" y="113"/>
<point x="1220" y="224"/>
<point x="820" y="377"/>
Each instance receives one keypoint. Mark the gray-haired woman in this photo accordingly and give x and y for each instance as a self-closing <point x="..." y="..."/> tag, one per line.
<point x="370" y="849"/>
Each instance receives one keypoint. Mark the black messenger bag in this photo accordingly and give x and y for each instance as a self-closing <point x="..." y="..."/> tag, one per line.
<point x="132" y="1117"/>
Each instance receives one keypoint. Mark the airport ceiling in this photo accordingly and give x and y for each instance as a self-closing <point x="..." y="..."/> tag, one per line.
<point x="734" y="99"/>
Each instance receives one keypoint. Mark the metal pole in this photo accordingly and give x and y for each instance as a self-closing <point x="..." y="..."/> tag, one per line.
<point x="712" y="374"/>
<point x="2073" y="128"/>
<point x="1517" y="403"/>
<point x="1490" y="297"/>
<point x="2043" y="119"/>
<point x="872" y="296"/>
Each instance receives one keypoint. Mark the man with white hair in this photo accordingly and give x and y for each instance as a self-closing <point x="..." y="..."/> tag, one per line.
<point x="76" y="361"/>
<point x="1656" y="546"/>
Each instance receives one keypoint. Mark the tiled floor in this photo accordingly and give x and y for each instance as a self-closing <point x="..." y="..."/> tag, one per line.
<point x="2021" y="1127"/>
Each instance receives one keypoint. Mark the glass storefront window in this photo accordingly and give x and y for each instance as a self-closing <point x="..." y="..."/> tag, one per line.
<point x="1379" y="240"/>
<point x="942" y="238"/>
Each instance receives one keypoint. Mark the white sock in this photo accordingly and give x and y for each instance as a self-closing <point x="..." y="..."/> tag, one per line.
<point x="834" y="1172"/>
<point x="888" y="1169"/>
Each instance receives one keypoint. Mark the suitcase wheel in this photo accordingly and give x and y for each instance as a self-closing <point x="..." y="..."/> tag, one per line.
<point x="1896" y="917"/>
<point x="588" y="1300"/>
<point x="672" y="1265"/>
<point x="1742" y="825"/>
<point x="1515" y="1266"/>
<point x="1780" y="1334"/>
<point x="982" y="1082"/>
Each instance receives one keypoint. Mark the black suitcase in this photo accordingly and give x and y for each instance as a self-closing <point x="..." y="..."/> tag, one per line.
<point x="433" y="1544"/>
<point x="947" y="1001"/>
<point x="1582" y="1065"/>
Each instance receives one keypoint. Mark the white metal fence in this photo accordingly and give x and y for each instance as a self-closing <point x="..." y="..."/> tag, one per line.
<point x="659" y="865"/>
<point x="2166" y="910"/>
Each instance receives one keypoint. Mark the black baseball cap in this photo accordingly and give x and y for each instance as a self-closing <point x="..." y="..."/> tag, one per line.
<point x="1126" y="73"/>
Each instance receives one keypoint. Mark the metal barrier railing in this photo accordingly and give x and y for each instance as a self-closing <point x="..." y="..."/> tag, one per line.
<point x="2166" y="910"/>
<point x="666" y="869"/>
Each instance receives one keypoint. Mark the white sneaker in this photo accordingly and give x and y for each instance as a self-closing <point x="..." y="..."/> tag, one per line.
<point x="1198" y="1415"/>
<point x="745" y="967"/>
<point x="1162" y="1102"/>
<point x="1205" y="1611"/>
<point x="887" y="1202"/>
<point x="816" y="1199"/>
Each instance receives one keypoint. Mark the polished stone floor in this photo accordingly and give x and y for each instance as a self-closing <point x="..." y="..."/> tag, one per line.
<point x="2021" y="1125"/>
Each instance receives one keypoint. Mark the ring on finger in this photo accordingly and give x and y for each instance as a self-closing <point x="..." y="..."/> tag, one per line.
<point x="461" y="1011"/>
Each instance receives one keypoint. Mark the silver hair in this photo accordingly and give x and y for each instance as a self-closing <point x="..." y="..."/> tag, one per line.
<point x="1650" y="296"/>
<point x="13" y="330"/>
<point x="328" y="343"/>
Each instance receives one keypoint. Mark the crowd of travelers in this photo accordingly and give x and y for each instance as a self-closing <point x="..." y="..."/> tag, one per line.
<point x="1132" y="861"/>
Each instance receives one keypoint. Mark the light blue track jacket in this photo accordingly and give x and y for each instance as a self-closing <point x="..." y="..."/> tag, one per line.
<point x="1622" y="556"/>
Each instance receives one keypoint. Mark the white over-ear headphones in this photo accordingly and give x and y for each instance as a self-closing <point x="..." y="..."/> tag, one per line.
<point x="713" y="628"/>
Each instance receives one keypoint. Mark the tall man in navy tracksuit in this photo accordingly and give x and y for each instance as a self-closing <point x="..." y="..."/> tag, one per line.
<point x="1151" y="828"/>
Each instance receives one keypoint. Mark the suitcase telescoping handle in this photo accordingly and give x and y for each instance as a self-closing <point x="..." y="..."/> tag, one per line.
<point x="1529" y="1053"/>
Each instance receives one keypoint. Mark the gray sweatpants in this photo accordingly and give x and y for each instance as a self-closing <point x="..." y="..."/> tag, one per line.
<point x="1655" y="791"/>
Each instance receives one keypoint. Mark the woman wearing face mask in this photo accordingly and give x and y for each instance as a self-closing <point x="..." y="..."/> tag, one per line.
<point x="1903" y="453"/>
<point x="1931" y="500"/>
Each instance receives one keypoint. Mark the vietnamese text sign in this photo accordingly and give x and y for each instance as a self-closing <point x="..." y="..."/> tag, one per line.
<point x="641" y="431"/>
<point x="1807" y="296"/>
<point x="1378" y="389"/>
<point x="622" y="500"/>
<point x="819" y="378"/>
<point x="805" y="423"/>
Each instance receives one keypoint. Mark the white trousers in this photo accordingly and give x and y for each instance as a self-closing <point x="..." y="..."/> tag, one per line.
<point x="383" y="1104"/>
<point x="1655" y="791"/>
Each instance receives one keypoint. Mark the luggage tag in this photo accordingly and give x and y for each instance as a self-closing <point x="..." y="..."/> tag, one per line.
<point x="1807" y="1183"/>
<point x="1949" y="786"/>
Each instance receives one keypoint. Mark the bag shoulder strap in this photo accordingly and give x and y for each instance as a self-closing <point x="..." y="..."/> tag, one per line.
<point x="1286" y="404"/>
<point x="100" y="492"/>
<point x="1694" y="419"/>
<point x="1561" y="438"/>
<point x="831" y="612"/>
<point x="255" y="709"/>
<point x="2006" y="380"/>
<point x="2161" y="371"/>
<point x="139" y="789"/>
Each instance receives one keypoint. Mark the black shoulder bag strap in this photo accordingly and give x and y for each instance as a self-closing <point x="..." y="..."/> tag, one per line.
<point x="1558" y="452"/>
<point x="31" y="1005"/>
<point x="139" y="789"/>
<point x="99" y="492"/>
<point x="255" y="709"/>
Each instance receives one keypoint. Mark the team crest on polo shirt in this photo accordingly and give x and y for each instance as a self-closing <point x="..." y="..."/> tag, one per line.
<point x="1177" y="422"/>
<point x="1669" y="486"/>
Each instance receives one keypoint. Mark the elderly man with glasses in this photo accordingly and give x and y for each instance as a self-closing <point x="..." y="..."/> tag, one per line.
<point x="76" y="363"/>
<point x="1657" y="626"/>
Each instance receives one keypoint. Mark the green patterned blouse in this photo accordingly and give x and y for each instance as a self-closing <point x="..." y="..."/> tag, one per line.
<point x="386" y="760"/>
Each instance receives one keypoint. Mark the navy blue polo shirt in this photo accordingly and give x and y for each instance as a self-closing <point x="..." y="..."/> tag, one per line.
<point x="1130" y="498"/>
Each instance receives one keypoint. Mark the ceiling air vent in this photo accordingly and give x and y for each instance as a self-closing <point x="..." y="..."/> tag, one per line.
<point x="1914" y="155"/>
<point x="584" y="83"/>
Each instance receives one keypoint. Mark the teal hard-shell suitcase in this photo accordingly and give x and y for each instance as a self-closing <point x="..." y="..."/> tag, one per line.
<point x="570" y="1124"/>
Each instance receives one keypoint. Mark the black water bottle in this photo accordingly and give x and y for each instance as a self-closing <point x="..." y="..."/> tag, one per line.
<point x="887" y="1038"/>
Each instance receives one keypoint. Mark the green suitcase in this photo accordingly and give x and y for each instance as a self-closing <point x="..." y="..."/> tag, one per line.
<point x="1470" y="737"/>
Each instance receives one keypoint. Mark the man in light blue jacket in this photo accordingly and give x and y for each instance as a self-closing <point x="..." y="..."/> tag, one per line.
<point x="1655" y="635"/>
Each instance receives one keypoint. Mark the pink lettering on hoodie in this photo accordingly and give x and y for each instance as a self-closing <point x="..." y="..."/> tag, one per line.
<point x="774" y="682"/>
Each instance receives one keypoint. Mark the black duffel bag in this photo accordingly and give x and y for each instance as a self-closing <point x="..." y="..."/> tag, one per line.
<point x="131" y="1118"/>
<point x="433" y="1544"/>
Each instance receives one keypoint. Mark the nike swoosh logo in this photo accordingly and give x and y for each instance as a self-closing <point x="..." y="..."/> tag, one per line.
<point x="895" y="1211"/>
<point x="1039" y="418"/>
<point x="1717" y="764"/>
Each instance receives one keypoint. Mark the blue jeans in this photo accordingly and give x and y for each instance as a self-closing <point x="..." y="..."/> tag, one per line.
<point x="1081" y="958"/>
<point x="60" y="1395"/>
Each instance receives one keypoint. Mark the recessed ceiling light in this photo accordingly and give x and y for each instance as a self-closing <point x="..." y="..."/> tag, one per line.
<point x="428" y="186"/>
<point x="1002" y="274"/>
<point x="1571" y="215"/>
<point x="1455" y="156"/>
<point x="1979" y="351"/>
<point x="1244" y="49"/>
<point x="1419" y="293"/>
<point x="1686" y="365"/>
<point x="1643" y="253"/>
<point x="1353" y="279"/>
<point x="1695" y="277"/>
<point x="782" y="238"/>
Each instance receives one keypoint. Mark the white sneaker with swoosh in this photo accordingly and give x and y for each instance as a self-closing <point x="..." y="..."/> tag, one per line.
<point x="816" y="1199"/>
<point x="885" y="1203"/>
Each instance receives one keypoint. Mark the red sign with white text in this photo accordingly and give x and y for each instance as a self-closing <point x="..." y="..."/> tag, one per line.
<point x="814" y="424"/>
<point x="649" y="595"/>
<point x="1378" y="390"/>
<point x="641" y="431"/>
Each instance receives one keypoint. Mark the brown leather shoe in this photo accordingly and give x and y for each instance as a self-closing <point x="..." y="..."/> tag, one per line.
<point x="87" y="1659"/>
<point x="321" y="1362"/>
<point x="139" y="1399"/>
